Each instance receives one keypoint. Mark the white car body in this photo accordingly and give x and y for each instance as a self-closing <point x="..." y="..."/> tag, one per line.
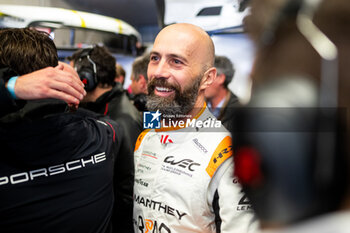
<point x="224" y="13"/>
<point x="18" y="16"/>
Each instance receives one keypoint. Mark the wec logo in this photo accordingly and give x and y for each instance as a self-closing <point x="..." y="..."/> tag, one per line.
<point x="184" y="163"/>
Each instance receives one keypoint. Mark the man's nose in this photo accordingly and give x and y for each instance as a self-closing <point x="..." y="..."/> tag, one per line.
<point x="161" y="70"/>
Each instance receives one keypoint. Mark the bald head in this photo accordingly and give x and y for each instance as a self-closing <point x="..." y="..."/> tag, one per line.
<point x="180" y="68"/>
<point x="194" y="39"/>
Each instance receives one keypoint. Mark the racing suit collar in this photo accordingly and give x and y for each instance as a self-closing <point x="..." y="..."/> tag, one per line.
<point x="164" y="129"/>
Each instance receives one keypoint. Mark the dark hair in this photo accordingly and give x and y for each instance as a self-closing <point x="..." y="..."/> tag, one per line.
<point x="140" y="66"/>
<point x="105" y="64"/>
<point x="224" y="66"/>
<point x="25" y="50"/>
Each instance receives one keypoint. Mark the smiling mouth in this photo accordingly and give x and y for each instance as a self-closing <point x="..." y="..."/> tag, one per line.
<point x="164" y="89"/>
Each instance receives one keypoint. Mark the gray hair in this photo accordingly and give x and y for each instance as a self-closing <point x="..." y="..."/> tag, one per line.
<point x="224" y="66"/>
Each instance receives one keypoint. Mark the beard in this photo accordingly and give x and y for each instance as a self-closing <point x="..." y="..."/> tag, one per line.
<point x="180" y="103"/>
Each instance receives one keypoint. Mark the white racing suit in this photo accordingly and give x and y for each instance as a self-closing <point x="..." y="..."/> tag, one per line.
<point x="184" y="182"/>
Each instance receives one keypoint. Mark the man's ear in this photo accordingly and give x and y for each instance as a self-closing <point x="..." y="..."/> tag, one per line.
<point x="142" y="82"/>
<point x="208" y="78"/>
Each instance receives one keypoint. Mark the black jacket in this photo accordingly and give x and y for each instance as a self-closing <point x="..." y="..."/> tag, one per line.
<point x="56" y="170"/>
<point x="228" y="109"/>
<point x="139" y="101"/>
<point x="116" y="105"/>
<point x="7" y="104"/>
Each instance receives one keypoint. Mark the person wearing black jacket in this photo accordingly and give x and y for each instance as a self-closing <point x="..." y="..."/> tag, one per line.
<point x="57" y="166"/>
<point x="137" y="91"/>
<point x="116" y="104"/>
<point x="221" y="101"/>
<point x="7" y="103"/>
<point x="107" y="97"/>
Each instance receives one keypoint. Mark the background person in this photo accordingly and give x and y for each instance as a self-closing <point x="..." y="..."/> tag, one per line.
<point x="120" y="74"/>
<point x="221" y="101"/>
<point x="109" y="98"/>
<point x="139" y="80"/>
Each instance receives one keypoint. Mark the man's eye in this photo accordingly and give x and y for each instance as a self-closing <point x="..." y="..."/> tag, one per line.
<point x="154" y="58"/>
<point x="176" y="61"/>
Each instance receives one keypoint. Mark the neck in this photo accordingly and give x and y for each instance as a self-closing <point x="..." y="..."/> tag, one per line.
<point x="197" y="106"/>
<point x="217" y="99"/>
<point x="93" y="95"/>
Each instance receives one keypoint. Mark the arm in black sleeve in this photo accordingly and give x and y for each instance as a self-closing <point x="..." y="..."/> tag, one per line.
<point x="123" y="185"/>
<point x="7" y="103"/>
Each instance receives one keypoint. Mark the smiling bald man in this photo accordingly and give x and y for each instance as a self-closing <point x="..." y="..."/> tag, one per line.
<point x="181" y="68"/>
<point x="184" y="172"/>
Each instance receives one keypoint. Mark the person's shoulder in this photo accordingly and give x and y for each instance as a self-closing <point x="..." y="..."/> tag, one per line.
<point x="220" y="151"/>
<point x="231" y="103"/>
<point x="212" y="124"/>
<point x="121" y="106"/>
<point x="220" y="140"/>
<point x="141" y="138"/>
<point x="86" y="114"/>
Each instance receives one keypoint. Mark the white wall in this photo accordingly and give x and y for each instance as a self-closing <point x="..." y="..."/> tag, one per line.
<point x="239" y="49"/>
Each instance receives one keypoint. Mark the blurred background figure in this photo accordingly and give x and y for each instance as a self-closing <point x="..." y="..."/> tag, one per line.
<point x="96" y="67"/>
<point x="120" y="74"/>
<point x="138" y="87"/>
<point x="292" y="140"/>
<point x="221" y="101"/>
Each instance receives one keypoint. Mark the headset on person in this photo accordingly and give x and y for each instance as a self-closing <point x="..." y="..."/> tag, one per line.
<point x="290" y="160"/>
<point x="87" y="74"/>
